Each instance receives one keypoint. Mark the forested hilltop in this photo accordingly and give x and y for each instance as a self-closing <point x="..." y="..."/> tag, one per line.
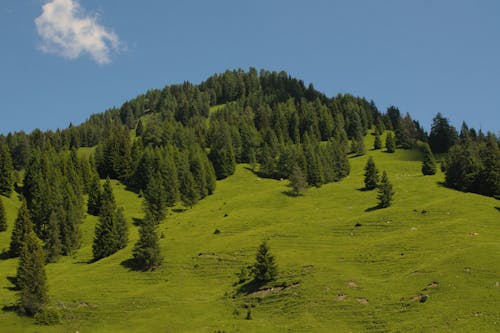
<point x="170" y="147"/>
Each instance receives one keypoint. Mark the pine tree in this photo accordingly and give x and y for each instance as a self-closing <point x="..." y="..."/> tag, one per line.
<point x="358" y="145"/>
<point x="106" y="239"/>
<point x="298" y="181"/>
<point x="121" y="229"/>
<point x="53" y="246"/>
<point x="429" y="163"/>
<point x="390" y="143"/>
<point x="3" y="217"/>
<point x="147" y="252"/>
<point x="377" y="144"/>
<point x="31" y="278"/>
<point x="385" y="192"/>
<point x="155" y="198"/>
<point x="265" y="268"/>
<point x="22" y="227"/>
<point x="6" y="171"/>
<point x="94" y="201"/>
<point x="371" y="174"/>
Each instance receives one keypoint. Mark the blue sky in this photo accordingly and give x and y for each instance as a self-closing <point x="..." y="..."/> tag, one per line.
<point x="62" y="60"/>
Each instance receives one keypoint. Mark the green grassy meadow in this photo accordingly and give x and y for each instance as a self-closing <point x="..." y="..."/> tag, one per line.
<point x="342" y="278"/>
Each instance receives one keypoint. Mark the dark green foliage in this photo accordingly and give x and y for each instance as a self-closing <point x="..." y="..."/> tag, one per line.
<point x="22" y="227"/>
<point x="428" y="163"/>
<point x="113" y="156"/>
<point x="111" y="233"/>
<point x="222" y="152"/>
<point x="443" y="135"/>
<point x="371" y="174"/>
<point x="265" y="268"/>
<point x="31" y="278"/>
<point x="358" y="145"/>
<point x="390" y="143"/>
<point x="139" y="130"/>
<point x="155" y="199"/>
<point x="385" y="192"/>
<point x="121" y="229"/>
<point x="298" y="182"/>
<point x="3" y="217"/>
<point x="474" y="166"/>
<point x="6" y="171"/>
<point x="53" y="245"/>
<point x="94" y="201"/>
<point x="147" y="252"/>
<point x="377" y="144"/>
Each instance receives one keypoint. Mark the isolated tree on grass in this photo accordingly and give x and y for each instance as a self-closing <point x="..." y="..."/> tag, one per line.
<point x="377" y="144"/>
<point x="3" y="217"/>
<point x="371" y="174"/>
<point x="428" y="163"/>
<point x="147" y="253"/>
<point x="22" y="227"/>
<point x="385" y="192"/>
<point x="390" y="143"/>
<point x="298" y="181"/>
<point x="31" y="278"/>
<point x="265" y="268"/>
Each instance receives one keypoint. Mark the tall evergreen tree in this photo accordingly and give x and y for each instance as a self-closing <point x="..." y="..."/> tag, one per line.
<point x="147" y="252"/>
<point x="94" y="201"/>
<point x="428" y="163"/>
<point x="377" y="144"/>
<point x="443" y="135"/>
<point x="371" y="174"/>
<point x="385" y="192"/>
<point x="22" y="227"/>
<point x="390" y="143"/>
<point x="6" y="171"/>
<point x="53" y="245"/>
<point x="265" y="268"/>
<point x="31" y="278"/>
<point x="110" y="232"/>
<point x="298" y="181"/>
<point x="358" y="145"/>
<point x="121" y="229"/>
<point x="155" y="198"/>
<point x="3" y="217"/>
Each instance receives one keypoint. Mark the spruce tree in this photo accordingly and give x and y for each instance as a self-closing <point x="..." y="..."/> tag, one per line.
<point x="147" y="252"/>
<point x="6" y="171"/>
<point x="298" y="181"/>
<point x="31" y="278"/>
<point x="385" y="192"/>
<point x="371" y="174"/>
<point x="22" y="227"/>
<point x="53" y="246"/>
<point x="428" y="163"/>
<point x="94" y="201"/>
<point x="3" y="217"/>
<point x="106" y="239"/>
<point x="390" y="143"/>
<point x="377" y="144"/>
<point x="155" y="198"/>
<point x="265" y="268"/>
<point x="358" y="145"/>
<point x="121" y="229"/>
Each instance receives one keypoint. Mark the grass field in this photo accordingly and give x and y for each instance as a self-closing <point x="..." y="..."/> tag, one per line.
<point x="432" y="241"/>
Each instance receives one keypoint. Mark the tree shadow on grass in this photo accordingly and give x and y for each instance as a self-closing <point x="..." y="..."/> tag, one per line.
<point x="131" y="265"/>
<point x="371" y="209"/>
<point x="497" y="208"/>
<point x="5" y="255"/>
<point x="11" y="308"/>
<point x="363" y="189"/>
<point x="292" y="194"/>
<point x="13" y="280"/>
<point x="250" y="287"/>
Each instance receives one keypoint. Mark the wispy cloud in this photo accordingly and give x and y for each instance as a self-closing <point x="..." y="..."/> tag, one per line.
<point x="67" y="30"/>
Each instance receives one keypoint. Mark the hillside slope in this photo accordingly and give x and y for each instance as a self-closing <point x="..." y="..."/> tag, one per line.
<point x="342" y="278"/>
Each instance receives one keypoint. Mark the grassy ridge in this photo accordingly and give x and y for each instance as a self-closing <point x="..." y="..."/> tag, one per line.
<point x="433" y="241"/>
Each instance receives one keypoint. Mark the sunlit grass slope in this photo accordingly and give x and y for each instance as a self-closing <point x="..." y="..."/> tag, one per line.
<point x="351" y="268"/>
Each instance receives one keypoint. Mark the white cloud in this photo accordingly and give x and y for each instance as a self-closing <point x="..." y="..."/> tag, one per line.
<point x="68" y="31"/>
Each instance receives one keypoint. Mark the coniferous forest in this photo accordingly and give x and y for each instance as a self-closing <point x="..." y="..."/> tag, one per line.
<point x="170" y="146"/>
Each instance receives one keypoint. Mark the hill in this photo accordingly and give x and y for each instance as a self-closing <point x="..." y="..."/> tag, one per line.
<point x="433" y="241"/>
